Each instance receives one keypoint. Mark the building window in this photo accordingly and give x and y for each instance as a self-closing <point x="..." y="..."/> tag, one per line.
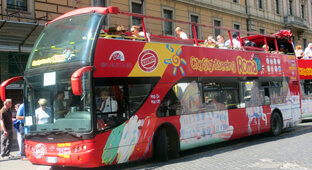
<point x="136" y="7"/>
<point x="290" y="7"/>
<point x="302" y="11"/>
<point x="216" y="31"/>
<point x="276" y="6"/>
<point x="195" y="19"/>
<point x="236" y="1"/>
<point x="168" y="26"/>
<point x="236" y="27"/>
<point x="304" y="43"/>
<point x="17" y="4"/>
<point x="260" y="4"/>
<point x="261" y="31"/>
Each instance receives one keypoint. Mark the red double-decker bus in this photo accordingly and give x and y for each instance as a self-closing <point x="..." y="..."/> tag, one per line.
<point x="305" y="72"/>
<point x="93" y="99"/>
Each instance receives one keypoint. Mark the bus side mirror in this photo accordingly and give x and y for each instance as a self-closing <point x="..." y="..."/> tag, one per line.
<point x="6" y="83"/>
<point x="76" y="79"/>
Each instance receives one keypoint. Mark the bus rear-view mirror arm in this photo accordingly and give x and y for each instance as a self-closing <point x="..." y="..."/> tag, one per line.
<point x="6" y="83"/>
<point x="76" y="79"/>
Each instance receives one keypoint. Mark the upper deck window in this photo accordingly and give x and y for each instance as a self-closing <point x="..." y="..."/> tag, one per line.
<point x="67" y="40"/>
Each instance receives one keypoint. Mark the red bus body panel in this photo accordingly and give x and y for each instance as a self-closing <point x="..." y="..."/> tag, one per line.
<point x="133" y="139"/>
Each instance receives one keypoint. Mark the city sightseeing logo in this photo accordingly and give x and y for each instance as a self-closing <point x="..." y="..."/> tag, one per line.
<point x="176" y="60"/>
<point x="148" y="60"/>
<point x="39" y="151"/>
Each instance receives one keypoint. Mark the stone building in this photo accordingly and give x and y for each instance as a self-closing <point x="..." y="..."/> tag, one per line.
<point x="23" y="20"/>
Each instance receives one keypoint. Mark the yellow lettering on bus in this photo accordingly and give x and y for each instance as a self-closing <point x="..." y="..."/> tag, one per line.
<point x="246" y="66"/>
<point x="212" y="65"/>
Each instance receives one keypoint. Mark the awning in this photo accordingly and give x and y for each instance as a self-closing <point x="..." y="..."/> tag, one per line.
<point x="18" y="36"/>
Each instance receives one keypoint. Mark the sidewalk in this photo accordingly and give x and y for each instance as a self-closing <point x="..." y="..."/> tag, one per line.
<point x="16" y="162"/>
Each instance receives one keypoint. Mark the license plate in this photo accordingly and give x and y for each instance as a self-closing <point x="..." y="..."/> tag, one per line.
<point x="51" y="159"/>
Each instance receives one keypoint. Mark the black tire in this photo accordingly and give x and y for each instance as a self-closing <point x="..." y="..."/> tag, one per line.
<point x="276" y="124"/>
<point x="161" y="146"/>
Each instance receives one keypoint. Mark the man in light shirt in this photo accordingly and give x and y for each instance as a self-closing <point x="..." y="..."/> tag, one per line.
<point x="308" y="52"/>
<point x="180" y="33"/>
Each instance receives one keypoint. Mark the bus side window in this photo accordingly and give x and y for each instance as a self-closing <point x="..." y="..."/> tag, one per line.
<point x="170" y="105"/>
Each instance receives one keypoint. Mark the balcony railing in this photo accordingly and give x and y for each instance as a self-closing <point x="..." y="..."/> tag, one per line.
<point x="293" y="20"/>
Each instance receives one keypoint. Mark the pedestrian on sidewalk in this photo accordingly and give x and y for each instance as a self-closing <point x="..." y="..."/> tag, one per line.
<point x="20" y="115"/>
<point x="6" y="124"/>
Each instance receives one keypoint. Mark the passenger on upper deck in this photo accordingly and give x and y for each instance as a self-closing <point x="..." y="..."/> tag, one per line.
<point x="220" y="41"/>
<point x="111" y="32"/>
<point x="236" y="43"/>
<point x="121" y="31"/>
<point x="249" y="43"/>
<point x="141" y="33"/>
<point x="308" y="52"/>
<point x="299" y="52"/>
<point x="210" y="42"/>
<point x="135" y="31"/>
<point x="180" y="33"/>
<point x="282" y="49"/>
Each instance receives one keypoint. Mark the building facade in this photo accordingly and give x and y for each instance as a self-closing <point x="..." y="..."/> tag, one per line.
<point x="23" y="20"/>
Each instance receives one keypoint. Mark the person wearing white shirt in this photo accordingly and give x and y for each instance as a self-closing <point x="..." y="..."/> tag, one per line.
<point x="308" y="52"/>
<point x="180" y="33"/>
<point x="236" y="43"/>
<point x="43" y="113"/>
<point x="107" y="103"/>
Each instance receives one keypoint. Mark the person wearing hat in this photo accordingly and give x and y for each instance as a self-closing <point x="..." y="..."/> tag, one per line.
<point x="121" y="31"/>
<point x="43" y="113"/>
<point x="282" y="49"/>
<point x="111" y="32"/>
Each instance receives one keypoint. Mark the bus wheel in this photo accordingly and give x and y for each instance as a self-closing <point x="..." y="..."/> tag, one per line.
<point x="276" y="124"/>
<point x="161" y="145"/>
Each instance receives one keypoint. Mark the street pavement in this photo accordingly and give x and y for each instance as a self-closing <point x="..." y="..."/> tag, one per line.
<point x="291" y="150"/>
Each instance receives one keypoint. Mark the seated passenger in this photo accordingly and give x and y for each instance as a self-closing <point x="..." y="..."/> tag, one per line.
<point x="210" y="42"/>
<point x="180" y="33"/>
<point x="249" y="43"/>
<point x="141" y="33"/>
<point x="266" y="46"/>
<point x="121" y="31"/>
<point x="235" y="42"/>
<point x="299" y="52"/>
<point x="308" y="52"/>
<point x="220" y="42"/>
<point x="282" y="49"/>
<point x="111" y="32"/>
<point x="107" y="104"/>
<point x="135" y="30"/>
<point x="43" y="113"/>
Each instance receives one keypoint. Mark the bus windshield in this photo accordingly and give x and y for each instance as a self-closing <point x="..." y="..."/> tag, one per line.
<point x="66" y="40"/>
<point x="51" y="105"/>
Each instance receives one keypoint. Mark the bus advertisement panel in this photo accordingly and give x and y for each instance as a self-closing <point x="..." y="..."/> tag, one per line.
<point x="305" y="72"/>
<point x="94" y="99"/>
